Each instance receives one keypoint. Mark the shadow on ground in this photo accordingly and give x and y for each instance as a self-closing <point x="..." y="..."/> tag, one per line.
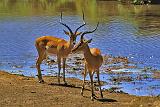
<point x="106" y="100"/>
<point x="65" y="85"/>
<point x="73" y="86"/>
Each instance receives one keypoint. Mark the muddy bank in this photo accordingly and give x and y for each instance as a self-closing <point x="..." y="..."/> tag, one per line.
<point x="24" y="91"/>
<point x="119" y="74"/>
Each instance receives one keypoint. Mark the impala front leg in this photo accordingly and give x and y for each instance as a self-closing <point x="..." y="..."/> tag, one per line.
<point x="38" y="63"/>
<point x="91" y="78"/>
<point x="84" y="77"/>
<point x="59" y="68"/>
<point x="64" y="64"/>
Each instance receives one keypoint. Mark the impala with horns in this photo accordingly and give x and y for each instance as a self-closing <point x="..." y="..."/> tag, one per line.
<point x="93" y="60"/>
<point x="50" y="45"/>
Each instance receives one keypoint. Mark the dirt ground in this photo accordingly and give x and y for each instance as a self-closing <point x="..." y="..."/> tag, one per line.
<point x="21" y="91"/>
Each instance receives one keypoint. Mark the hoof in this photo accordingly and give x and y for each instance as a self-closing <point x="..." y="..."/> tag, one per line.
<point x="65" y="83"/>
<point x="92" y="98"/>
<point x="81" y="93"/>
<point x="41" y="81"/>
<point x="101" y="96"/>
<point x="59" y="81"/>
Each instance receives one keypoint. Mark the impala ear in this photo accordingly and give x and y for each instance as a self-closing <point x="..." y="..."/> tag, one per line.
<point x="78" y="33"/>
<point x="89" y="41"/>
<point x="67" y="33"/>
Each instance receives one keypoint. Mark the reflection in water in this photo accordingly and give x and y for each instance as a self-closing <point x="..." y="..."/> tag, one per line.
<point x="125" y="30"/>
<point x="145" y="18"/>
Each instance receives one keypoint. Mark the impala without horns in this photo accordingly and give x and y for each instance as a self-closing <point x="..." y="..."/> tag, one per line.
<point x="50" y="45"/>
<point x="93" y="60"/>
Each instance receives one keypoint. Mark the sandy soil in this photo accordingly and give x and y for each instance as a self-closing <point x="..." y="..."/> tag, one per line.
<point x="20" y="91"/>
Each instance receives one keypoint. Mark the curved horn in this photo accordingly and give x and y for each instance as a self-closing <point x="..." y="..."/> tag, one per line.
<point x="86" y="32"/>
<point x="65" y="25"/>
<point x="84" y="23"/>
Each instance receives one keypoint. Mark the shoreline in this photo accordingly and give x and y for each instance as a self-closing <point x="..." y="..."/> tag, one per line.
<point x="24" y="91"/>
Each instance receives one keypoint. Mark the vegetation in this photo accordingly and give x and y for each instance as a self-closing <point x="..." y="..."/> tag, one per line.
<point x="95" y="10"/>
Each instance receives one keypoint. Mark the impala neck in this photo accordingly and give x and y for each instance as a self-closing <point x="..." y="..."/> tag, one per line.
<point x="70" y="44"/>
<point x="87" y="53"/>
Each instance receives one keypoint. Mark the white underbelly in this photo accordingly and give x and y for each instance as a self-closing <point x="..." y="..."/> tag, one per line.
<point x="51" y="54"/>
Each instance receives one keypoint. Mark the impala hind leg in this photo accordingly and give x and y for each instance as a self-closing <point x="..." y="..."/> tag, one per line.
<point x="99" y="83"/>
<point x="64" y="64"/>
<point x="38" y="63"/>
<point x="59" y="68"/>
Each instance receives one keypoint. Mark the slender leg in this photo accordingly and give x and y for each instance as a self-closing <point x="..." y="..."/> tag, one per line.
<point x="41" y="57"/>
<point x="99" y="83"/>
<point x="91" y="77"/>
<point x="64" y="64"/>
<point x="84" y="77"/>
<point x="59" y="68"/>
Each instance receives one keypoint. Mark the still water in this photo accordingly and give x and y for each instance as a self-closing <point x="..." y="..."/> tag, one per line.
<point x="125" y="30"/>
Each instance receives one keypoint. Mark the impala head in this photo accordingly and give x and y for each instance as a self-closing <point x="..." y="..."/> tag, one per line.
<point x="83" y="43"/>
<point x="71" y="34"/>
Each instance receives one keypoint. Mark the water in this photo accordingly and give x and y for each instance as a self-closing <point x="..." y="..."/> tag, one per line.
<point x="125" y="30"/>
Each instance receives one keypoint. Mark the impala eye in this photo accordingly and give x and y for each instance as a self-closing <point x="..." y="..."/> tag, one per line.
<point x="74" y="43"/>
<point x="80" y="44"/>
